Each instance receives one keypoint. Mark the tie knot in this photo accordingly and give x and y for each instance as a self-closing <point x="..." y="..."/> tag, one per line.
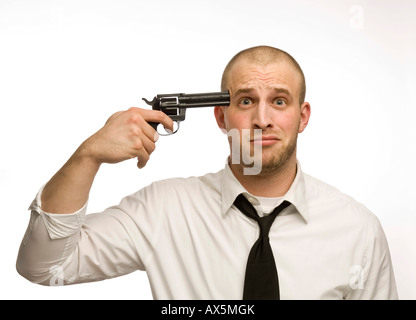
<point x="265" y="222"/>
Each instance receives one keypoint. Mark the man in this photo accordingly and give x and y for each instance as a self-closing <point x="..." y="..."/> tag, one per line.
<point x="197" y="243"/>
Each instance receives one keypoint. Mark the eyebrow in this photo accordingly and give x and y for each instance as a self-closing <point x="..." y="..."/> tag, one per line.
<point x="248" y="90"/>
<point x="243" y="90"/>
<point x="282" y="90"/>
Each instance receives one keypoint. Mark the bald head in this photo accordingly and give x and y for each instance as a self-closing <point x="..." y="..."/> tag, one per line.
<point x="264" y="55"/>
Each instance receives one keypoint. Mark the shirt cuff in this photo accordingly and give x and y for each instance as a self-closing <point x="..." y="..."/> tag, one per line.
<point x="59" y="225"/>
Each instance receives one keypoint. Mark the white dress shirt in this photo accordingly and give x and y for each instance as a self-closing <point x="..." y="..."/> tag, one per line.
<point x="193" y="243"/>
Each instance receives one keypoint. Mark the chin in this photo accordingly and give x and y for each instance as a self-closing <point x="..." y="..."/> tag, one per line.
<point x="276" y="162"/>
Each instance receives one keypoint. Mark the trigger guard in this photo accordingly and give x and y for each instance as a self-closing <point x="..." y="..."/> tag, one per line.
<point x="168" y="132"/>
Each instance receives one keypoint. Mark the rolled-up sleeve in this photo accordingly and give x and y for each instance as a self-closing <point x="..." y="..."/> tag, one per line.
<point x="59" y="249"/>
<point x="377" y="277"/>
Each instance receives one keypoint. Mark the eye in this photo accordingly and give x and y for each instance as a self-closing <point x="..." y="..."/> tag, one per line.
<point x="245" y="102"/>
<point x="280" y="102"/>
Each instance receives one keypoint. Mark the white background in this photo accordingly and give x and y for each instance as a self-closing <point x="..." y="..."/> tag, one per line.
<point x="66" y="66"/>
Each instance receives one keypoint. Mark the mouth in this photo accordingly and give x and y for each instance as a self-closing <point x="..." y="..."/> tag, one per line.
<point x="265" y="140"/>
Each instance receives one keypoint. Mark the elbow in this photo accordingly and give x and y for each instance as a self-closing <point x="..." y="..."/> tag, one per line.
<point x="30" y="275"/>
<point x="37" y="274"/>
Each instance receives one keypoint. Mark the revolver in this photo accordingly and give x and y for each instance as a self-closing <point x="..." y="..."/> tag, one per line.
<point x="175" y="104"/>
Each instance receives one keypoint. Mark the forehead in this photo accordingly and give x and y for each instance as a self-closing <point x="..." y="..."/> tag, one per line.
<point x="249" y="74"/>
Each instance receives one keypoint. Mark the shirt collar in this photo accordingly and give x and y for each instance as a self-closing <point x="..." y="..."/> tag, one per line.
<point x="296" y="194"/>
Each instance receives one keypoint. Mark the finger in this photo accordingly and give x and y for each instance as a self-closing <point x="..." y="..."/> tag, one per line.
<point x="158" y="116"/>
<point x="142" y="157"/>
<point x="148" y="131"/>
<point x="141" y="163"/>
<point x="148" y="144"/>
<point x="143" y="148"/>
<point x="142" y="117"/>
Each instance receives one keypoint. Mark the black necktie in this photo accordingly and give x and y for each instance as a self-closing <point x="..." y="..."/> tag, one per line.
<point x="261" y="281"/>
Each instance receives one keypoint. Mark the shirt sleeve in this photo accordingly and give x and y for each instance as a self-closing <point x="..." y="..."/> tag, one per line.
<point x="59" y="249"/>
<point x="374" y="280"/>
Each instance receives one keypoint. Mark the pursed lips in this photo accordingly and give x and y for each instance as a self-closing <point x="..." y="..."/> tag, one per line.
<point x="265" y="140"/>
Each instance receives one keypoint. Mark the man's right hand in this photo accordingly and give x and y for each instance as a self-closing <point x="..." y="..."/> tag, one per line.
<point x="126" y="135"/>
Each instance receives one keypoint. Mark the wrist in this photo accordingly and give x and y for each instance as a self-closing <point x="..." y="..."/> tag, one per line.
<point x="85" y="155"/>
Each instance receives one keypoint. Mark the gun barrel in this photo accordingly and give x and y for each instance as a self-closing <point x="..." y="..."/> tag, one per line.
<point x="205" y="99"/>
<point x="195" y="100"/>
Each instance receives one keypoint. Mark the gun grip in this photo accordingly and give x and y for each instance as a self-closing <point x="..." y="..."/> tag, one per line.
<point x="154" y="124"/>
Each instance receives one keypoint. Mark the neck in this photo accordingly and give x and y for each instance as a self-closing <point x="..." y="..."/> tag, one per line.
<point x="274" y="183"/>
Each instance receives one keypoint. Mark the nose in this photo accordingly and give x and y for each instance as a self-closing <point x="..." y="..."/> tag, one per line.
<point x="262" y="116"/>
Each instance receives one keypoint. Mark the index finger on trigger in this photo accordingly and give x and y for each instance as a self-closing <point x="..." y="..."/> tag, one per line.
<point x="160" y="117"/>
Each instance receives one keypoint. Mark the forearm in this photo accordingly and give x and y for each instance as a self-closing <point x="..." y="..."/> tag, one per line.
<point x="125" y="135"/>
<point x="62" y="249"/>
<point x="68" y="190"/>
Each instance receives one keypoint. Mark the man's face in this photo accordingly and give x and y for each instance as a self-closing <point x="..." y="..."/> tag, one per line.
<point x="265" y="98"/>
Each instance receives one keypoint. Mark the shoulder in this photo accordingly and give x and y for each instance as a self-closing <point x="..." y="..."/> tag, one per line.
<point x="181" y="186"/>
<point x="172" y="196"/>
<point x="326" y="198"/>
<point x="210" y="180"/>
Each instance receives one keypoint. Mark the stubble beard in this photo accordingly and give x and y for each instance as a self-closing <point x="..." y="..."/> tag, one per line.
<point x="277" y="160"/>
<point x="273" y="161"/>
<point x="263" y="160"/>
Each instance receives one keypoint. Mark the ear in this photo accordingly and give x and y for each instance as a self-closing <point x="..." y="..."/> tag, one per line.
<point x="219" y="116"/>
<point x="305" y="113"/>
